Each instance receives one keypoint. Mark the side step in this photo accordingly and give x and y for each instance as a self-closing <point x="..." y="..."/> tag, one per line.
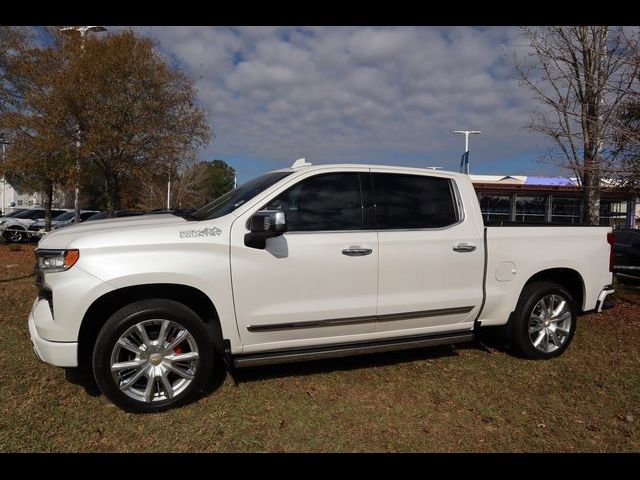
<point x="350" y="349"/>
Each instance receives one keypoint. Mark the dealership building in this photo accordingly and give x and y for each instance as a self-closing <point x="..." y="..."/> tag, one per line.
<point x="517" y="198"/>
<point x="10" y="198"/>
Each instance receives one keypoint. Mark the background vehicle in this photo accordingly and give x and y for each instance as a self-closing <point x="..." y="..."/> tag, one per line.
<point x="13" y="213"/>
<point x="627" y="252"/>
<point x="183" y="212"/>
<point x="116" y="214"/>
<point x="326" y="261"/>
<point x="15" y="229"/>
<point x="36" y="229"/>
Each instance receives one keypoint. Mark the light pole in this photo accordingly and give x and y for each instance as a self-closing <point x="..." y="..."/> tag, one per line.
<point x="464" y="165"/>
<point x="4" y="183"/>
<point x="82" y="31"/>
<point x="169" y="189"/>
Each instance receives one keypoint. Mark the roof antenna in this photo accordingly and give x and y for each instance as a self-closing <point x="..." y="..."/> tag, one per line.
<point x="301" y="162"/>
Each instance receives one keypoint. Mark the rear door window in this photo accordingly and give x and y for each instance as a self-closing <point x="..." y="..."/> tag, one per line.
<point x="413" y="201"/>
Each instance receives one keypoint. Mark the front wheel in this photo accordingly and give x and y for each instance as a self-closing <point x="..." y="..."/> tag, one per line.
<point x="152" y="355"/>
<point x="544" y="321"/>
<point x="15" y="235"/>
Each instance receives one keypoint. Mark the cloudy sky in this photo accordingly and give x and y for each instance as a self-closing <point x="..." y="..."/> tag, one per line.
<point x="362" y="94"/>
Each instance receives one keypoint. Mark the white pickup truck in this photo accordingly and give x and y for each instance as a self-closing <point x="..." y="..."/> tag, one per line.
<point x="305" y="263"/>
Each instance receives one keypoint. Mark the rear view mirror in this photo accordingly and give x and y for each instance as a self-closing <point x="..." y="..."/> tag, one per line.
<point x="265" y="224"/>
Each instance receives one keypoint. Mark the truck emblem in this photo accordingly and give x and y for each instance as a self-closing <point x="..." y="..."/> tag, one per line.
<point x="205" y="232"/>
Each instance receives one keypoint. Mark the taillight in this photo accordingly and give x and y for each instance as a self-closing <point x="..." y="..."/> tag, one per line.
<point x="611" y="239"/>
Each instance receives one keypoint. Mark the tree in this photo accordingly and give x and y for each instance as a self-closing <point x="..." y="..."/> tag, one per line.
<point x="581" y="76"/>
<point x="137" y="115"/>
<point x="13" y="41"/>
<point x="192" y="185"/>
<point x="37" y="124"/>
<point x="220" y="179"/>
<point x="627" y="134"/>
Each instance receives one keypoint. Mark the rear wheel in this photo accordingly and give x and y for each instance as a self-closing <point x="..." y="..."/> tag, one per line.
<point x="544" y="321"/>
<point x="152" y="355"/>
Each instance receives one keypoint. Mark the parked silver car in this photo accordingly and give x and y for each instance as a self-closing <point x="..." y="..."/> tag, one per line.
<point x="36" y="229"/>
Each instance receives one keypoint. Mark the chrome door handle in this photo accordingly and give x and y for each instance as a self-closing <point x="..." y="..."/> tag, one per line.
<point x="357" y="252"/>
<point x="464" y="247"/>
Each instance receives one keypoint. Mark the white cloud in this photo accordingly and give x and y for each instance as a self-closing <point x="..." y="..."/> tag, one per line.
<point x="387" y="94"/>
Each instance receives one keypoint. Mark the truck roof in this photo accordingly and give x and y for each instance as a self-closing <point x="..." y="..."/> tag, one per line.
<point x="310" y="167"/>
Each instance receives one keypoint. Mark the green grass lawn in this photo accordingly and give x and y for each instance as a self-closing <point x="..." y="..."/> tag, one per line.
<point x="440" y="399"/>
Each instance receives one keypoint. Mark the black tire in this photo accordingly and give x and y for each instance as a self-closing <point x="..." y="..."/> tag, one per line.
<point x="15" y="235"/>
<point x="519" y="334"/>
<point x="129" y="316"/>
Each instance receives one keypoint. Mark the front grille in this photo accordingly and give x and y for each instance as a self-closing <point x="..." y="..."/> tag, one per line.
<point x="34" y="228"/>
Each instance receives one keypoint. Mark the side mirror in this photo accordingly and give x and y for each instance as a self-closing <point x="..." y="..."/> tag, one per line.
<point x="265" y="224"/>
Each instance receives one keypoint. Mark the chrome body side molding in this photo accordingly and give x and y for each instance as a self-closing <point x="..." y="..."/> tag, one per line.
<point x="352" y="320"/>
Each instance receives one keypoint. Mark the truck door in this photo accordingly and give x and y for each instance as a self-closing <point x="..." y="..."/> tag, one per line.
<point x="431" y="258"/>
<point x="317" y="283"/>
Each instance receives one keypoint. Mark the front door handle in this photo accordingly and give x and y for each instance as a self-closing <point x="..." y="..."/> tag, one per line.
<point x="356" y="251"/>
<point x="464" y="247"/>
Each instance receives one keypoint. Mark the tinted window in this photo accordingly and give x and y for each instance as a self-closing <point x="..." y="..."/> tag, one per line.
<point x="413" y="201"/>
<point x="85" y="215"/>
<point x="325" y="202"/>
<point x="28" y="214"/>
<point x="65" y="216"/>
<point x="98" y="216"/>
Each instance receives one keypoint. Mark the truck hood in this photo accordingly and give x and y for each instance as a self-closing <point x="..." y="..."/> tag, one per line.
<point x="113" y="227"/>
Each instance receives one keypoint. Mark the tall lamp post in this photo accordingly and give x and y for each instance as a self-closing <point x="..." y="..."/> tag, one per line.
<point x="4" y="182"/>
<point x="464" y="165"/>
<point x="82" y="31"/>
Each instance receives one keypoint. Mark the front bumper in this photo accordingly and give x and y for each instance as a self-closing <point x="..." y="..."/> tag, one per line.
<point x="606" y="299"/>
<point x="59" y="354"/>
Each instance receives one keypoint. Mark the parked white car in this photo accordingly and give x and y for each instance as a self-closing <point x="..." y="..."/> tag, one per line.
<point x="305" y="263"/>
<point x="15" y="228"/>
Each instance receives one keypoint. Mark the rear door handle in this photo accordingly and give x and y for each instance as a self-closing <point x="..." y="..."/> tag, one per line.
<point x="356" y="251"/>
<point x="464" y="247"/>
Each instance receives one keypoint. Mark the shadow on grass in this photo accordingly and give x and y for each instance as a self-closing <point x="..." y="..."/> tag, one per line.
<point x="314" y="367"/>
<point x="85" y="379"/>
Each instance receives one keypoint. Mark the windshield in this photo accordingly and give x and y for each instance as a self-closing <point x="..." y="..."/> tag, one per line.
<point x="65" y="216"/>
<point x="13" y="214"/>
<point x="228" y="202"/>
<point x="25" y="214"/>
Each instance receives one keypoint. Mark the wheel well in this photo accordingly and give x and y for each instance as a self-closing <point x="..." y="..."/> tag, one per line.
<point x="568" y="278"/>
<point x="105" y="306"/>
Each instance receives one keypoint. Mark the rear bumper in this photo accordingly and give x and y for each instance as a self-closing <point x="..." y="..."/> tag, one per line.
<point x="59" y="354"/>
<point x="606" y="299"/>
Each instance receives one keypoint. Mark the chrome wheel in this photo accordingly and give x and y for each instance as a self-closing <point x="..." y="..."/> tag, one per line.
<point x="550" y="323"/>
<point x="154" y="360"/>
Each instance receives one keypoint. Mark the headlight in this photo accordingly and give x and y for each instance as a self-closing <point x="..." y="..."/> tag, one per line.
<point x="56" y="260"/>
